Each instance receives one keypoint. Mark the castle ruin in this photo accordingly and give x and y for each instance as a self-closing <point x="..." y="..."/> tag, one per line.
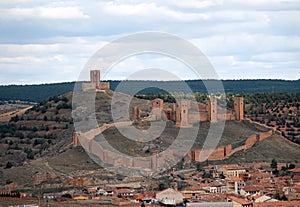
<point x="95" y="83"/>
<point x="185" y="113"/>
<point x="239" y="108"/>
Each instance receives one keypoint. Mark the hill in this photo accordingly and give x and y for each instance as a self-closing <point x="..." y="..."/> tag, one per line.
<point x="276" y="147"/>
<point x="38" y="93"/>
<point x="40" y="142"/>
<point x="44" y="129"/>
<point x="234" y="133"/>
<point x="230" y="86"/>
<point x="34" y="93"/>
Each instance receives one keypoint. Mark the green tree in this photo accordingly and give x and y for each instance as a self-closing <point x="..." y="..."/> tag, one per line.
<point x="35" y="129"/>
<point x="67" y="195"/>
<point x="284" y="198"/>
<point x="30" y="153"/>
<point x="15" y="118"/>
<point x="292" y="166"/>
<point x="273" y="164"/>
<point x="8" y="165"/>
<point x="277" y="196"/>
<point x="161" y="186"/>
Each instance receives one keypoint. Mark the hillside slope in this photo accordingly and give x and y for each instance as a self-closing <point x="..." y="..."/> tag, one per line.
<point x="276" y="147"/>
<point x="40" y="141"/>
<point x="234" y="133"/>
<point x="44" y="130"/>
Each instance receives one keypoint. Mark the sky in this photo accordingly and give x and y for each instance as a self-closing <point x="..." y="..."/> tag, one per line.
<point x="50" y="41"/>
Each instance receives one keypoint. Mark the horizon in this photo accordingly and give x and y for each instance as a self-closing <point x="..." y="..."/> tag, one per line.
<point x="49" y="83"/>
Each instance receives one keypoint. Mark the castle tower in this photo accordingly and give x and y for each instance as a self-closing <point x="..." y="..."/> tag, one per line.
<point x="239" y="108"/>
<point x="76" y="142"/>
<point x="182" y="114"/>
<point x="177" y="114"/>
<point x="212" y="109"/>
<point x="135" y="113"/>
<point x="157" y="108"/>
<point x="95" y="83"/>
<point x="95" y="78"/>
<point x="173" y="107"/>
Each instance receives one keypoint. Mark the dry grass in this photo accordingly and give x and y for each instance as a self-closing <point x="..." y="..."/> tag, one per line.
<point x="234" y="133"/>
<point x="276" y="147"/>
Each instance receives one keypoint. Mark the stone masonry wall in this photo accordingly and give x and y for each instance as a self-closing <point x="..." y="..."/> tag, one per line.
<point x="223" y="152"/>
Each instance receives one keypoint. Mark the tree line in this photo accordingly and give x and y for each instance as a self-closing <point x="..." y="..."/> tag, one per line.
<point x="38" y="93"/>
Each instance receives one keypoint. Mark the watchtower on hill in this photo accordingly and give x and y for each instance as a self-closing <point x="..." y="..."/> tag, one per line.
<point x="95" y="78"/>
<point x="95" y="82"/>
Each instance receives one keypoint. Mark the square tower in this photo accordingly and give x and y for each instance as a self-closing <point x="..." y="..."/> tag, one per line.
<point x="157" y="108"/>
<point x="95" y="78"/>
<point x="135" y="113"/>
<point x="76" y="141"/>
<point x="182" y="114"/>
<point x="239" y="108"/>
<point x="212" y="109"/>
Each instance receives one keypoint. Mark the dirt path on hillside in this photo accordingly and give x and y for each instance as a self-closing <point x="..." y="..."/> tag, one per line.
<point x="8" y="115"/>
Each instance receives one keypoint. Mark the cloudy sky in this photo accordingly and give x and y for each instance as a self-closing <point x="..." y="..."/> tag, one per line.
<point x="50" y="41"/>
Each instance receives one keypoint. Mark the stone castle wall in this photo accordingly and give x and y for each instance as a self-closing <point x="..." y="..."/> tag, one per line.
<point x="265" y="135"/>
<point x="203" y="116"/>
<point x="187" y="112"/>
<point x="194" y="118"/>
<point x="223" y="152"/>
<point x="219" y="153"/>
<point x="227" y="116"/>
<point x="104" y="86"/>
<point x="95" y="132"/>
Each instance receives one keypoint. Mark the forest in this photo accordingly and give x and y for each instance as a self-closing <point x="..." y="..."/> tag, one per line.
<point x="38" y="93"/>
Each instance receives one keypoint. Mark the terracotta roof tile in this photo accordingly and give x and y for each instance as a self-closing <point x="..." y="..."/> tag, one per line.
<point x="239" y="200"/>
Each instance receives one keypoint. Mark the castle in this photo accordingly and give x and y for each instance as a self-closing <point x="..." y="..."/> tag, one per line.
<point x="186" y="112"/>
<point x="95" y="83"/>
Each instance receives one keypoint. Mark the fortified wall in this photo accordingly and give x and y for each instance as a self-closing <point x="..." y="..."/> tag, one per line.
<point x="155" y="162"/>
<point x="224" y="152"/>
<point x="185" y="113"/>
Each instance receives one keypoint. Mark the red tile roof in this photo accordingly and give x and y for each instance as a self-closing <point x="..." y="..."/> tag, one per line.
<point x="252" y="188"/>
<point x="295" y="170"/>
<point x="239" y="200"/>
<point x="278" y="204"/>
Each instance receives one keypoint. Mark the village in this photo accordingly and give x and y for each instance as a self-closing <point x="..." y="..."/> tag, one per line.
<point x="245" y="185"/>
